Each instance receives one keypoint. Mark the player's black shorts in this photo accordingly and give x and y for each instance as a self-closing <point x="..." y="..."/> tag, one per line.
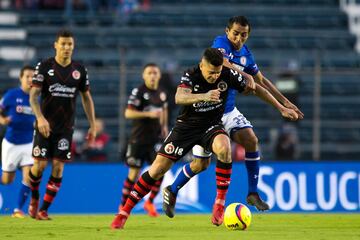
<point x="57" y="146"/>
<point x="183" y="137"/>
<point x="138" y="154"/>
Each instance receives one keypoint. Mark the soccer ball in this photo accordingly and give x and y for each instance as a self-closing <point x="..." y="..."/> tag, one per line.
<point x="237" y="217"/>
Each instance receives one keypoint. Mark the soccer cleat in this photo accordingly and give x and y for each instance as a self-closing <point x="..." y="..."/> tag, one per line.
<point x="33" y="207"/>
<point x="18" y="213"/>
<point x="151" y="209"/>
<point x="169" y="201"/>
<point x="217" y="214"/>
<point x="119" y="221"/>
<point x="254" y="199"/>
<point x="42" y="215"/>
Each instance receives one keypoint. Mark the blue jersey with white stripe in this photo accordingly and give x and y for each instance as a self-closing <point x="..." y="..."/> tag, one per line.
<point x="241" y="59"/>
<point x="15" y="104"/>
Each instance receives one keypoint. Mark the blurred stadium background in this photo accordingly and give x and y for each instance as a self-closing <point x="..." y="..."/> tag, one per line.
<point x="309" y="48"/>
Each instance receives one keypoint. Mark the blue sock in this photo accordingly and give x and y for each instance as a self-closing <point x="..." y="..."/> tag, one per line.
<point x="252" y="166"/>
<point x="182" y="178"/>
<point x="23" y="195"/>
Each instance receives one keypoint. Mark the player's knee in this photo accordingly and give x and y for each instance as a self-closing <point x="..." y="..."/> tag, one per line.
<point x="198" y="165"/>
<point x="6" y="181"/>
<point x="250" y="143"/>
<point x="223" y="153"/>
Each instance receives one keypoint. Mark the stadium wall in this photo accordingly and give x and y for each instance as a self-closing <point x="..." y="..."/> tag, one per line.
<point x="287" y="187"/>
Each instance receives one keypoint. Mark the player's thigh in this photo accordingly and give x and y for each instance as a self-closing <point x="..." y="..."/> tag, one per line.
<point x="247" y="138"/>
<point x="10" y="156"/>
<point x="7" y="177"/>
<point x="180" y="141"/>
<point x="221" y="145"/>
<point x="136" y="154"/>
<point x="41" y="150"/>
<point x="234" y="121"/>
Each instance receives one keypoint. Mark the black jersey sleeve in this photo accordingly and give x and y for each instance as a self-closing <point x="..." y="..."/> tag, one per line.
<point x="39" y="75"/>
<point x="185" y="81"/>
<point x="84" y="82"/>
<point x="236" y="80"/>
<point x="135" y="100"/>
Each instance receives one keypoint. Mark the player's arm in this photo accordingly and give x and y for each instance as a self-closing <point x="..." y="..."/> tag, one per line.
<point x="184" y="96"/>
<point x="88" y="105"/>
<point x="268" y="98"/>
<point x="268" y="85"/>
<point x="4" y="120"/>
<point x="136" y="114"/>
<point x="164" y="121"/>
<point x="42" y="124"/>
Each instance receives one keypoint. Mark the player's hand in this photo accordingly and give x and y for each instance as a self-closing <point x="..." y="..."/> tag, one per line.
<point x="43" y="127"/>
<point x="292" y="106"/>
<point x="212" y="96"/>
<point x="5" y="120"/>
<point x="289" y="114"/>
<point x="154" y="114"/>
<point x="91" y="135"/>
<point x="250" y="84"/>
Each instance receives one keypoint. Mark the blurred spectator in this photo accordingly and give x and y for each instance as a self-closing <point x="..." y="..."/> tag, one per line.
<point x="26" y="4"/>
<point x="286" y="147"/>
<point x="88" y="5"/>
<point x="97" y="150"/>
<point x="76" y="144"/>
<point x="51" y="4"/>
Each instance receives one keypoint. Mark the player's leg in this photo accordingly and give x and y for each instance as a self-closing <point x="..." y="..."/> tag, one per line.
<point x="52" y="187"/>
<point x="9" y="162"/>
<point x="247" y="138"/>
<point x="222" y="149"/>
<point x="170" y="192"/>
<point x="149" y="204"/>
<point x="134" y="159"/>
<point x="129" y="183"/>
<point x="25" y="164"/>
<point x="142" y="187"/>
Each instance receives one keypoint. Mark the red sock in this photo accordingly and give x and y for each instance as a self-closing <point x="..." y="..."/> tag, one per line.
<point x="155" y="189"/>
<point x="128" y="186"/>
<point x="52" y="188"/>
<point x="141" y="188"/>
<point x="223" y="174"/>
<point x="34" y="185"/>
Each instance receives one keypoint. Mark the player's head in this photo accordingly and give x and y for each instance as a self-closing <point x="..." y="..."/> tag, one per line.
<point x="237" y="31"/>
<point x="64" y="44"/>
<point x="26" y="75"/>
<point x="151" y="75"/>
<point x="211" y="64"/>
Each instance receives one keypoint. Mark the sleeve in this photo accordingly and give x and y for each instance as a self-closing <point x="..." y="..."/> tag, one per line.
<point x="251" y="68"/>
<point x="222" y="46"/>
<point x="39" y="75"/>
<point x="135" y="100"/>
<point x="5" y="102"/>
<point x="185" y="81"/>
<point x="236" y="80"/>
<point x="84" y="83"/>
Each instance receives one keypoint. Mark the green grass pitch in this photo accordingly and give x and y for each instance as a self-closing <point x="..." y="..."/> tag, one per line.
<point x="183" y="227"/>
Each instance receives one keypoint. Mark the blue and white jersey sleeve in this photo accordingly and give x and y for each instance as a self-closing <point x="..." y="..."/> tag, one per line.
<point x="5" y="101"/>
<point x="223" y="45"/>
<point x="250" y="64"/>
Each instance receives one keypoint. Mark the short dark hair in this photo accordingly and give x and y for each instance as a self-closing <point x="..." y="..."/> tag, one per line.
<point x="24" y="68"/>
<point x="151" y="64"/>
<point x="64" y="33"/>
<point x="242" y="20"/>
<point x="213" y="56"/>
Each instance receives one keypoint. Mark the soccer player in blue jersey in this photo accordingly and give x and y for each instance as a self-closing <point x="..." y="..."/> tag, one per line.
<point x="238" y="57"/>
<point x="16" y="114"/>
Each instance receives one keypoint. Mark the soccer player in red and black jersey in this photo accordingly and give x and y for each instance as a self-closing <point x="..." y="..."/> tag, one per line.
<point x="58" y="80"/>
<point x="147" y="107"/>
<point x="202" y="92"/>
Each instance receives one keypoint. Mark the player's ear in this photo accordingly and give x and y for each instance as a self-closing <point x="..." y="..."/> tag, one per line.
<point x="227" y="30"/>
